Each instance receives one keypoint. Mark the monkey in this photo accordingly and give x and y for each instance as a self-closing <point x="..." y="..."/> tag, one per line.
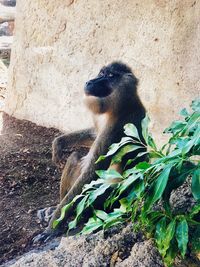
<point x="113" y="101"/>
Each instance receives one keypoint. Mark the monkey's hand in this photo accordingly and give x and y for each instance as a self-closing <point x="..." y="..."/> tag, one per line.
<point x="58" y="147"/>
<point x="45" y="215"/>
<point x="64" y="142"/>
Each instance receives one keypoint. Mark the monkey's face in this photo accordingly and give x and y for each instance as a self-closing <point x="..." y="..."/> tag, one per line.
<point x="114" y="85"/>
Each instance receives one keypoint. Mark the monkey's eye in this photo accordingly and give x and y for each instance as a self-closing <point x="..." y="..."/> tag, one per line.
<point x="110" y="75"/>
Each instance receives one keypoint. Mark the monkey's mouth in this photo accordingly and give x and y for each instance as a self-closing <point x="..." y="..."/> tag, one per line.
<point x="97" y="91"/>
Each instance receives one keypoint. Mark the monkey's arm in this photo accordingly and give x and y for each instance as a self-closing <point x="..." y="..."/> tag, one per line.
<point x="83" y="138"/>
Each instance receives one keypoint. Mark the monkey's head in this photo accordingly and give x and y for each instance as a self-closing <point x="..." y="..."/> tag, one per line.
<point x="113" y="90"/>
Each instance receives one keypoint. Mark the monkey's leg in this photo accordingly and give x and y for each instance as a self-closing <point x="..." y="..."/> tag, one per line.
<point x="87" y="174"/>
<point x="89" y="166"/>
<point x="70" y="173"/>
<point x="83" y="138"/>
<point x="75" y="190"/>
<point x="72" y="167"/>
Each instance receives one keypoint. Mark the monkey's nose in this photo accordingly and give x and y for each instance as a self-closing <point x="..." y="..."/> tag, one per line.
<point x="87" y="87"/>
<point x="89" y="83"/>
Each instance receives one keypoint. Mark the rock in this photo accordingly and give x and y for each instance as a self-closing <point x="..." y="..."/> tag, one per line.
<point x="143" y="254"/>
<point x="181" y="199"/>
<point x="120" y="247"/>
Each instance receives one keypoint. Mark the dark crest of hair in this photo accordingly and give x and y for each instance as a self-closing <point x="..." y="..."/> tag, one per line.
<point x="118" y="66"/>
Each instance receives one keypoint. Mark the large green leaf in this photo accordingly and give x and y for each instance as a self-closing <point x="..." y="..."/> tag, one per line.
<point x="175" y="127"/>
<point x="195" y="241"/>
<point x="160" y="234"/>
<point x="171" y="253"/>
<point x="143" y="165"/>
<point x="154" y="216"/>
<point x="131" y="130"/>
<point x="92" y="185"/>
<point x="115" y="147"/>
<point x="113" y="221"/>
<point x="196" y="184"/>
<point x="101" y="214"/>
<point x="151" y="142"/>
<point x="65" y="209"/>
<point x="182" y="236"/>
<point x="114" y="218"/>
<point x="191" y="124"/>
<point x="139" y="155"/>
<point x="197" y="136"/>
<point x="180" y="142"/>
<point x="79" y="210"/>
<point x="81" y="206"/>
<point x="92" y="225"/>
<point x="109" y="174"/>
<point x="131" y="171"/>
<point x="62" y="216"/>
<point x="195" y="210"/>
<point x="145" y="123"/>
<point x="174" y="153"/>
<point x="169" y="234"/>
<point x="72" y="224"/>
<point x="139" y="187"/>
<point x="124" y="151"/>
<point x="158" y="187"/>
<point x="98" y="192"/>
<point x="188" y="146"/>
<point x="127" y="182"/>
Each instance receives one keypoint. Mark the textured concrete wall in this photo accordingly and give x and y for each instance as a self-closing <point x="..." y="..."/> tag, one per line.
<point x="60" y="44"/>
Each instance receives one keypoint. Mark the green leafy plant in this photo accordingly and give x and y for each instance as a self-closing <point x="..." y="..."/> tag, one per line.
<point x="142" y="193"/>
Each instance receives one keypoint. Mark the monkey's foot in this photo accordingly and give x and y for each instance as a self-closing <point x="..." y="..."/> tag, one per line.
<point x="45" y="236"/>
<point x="44" y="215"/>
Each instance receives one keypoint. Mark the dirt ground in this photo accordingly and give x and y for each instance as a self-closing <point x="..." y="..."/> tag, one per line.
<point x="28" y="181"/>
